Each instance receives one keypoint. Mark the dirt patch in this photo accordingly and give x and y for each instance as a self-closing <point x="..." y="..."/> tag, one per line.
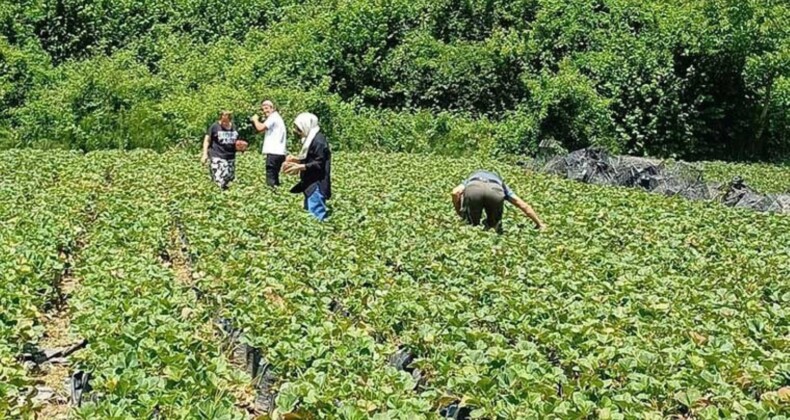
<point x="52" y="376"/>
<point x="273" y="297"/>
<point x="57" y="406"/>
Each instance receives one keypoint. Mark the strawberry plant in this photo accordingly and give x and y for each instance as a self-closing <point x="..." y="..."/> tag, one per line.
<point x="45" y="206"/>
<point x="630" y="305"/>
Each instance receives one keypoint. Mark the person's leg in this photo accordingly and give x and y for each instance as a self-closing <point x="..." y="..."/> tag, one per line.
<point x="226" y="172"/>
<point x="230" y="174"/>
<point x="212" y="172"/>
<point x="217" y="171"/>
<point x="278" y="163"/>
<point x="316" y="205"/>
<point x="223" y="172"/>
<point x="472" y="202"/>
<point x="272" y="170"/>
<point x="494" y="205"/>
<point x="269" y="168"/>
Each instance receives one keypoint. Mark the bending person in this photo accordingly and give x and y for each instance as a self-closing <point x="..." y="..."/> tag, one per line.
<point x="485" y="190"/>
<point x="313" y="164"/>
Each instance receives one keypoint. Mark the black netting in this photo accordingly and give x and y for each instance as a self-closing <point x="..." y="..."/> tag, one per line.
<point x="593" y="166"/>
<point x="597" y="166"/>
<point x="683" y="179"/>
<point x="739" y="195"/>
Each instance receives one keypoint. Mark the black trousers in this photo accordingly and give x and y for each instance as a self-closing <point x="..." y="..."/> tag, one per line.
<point x="273" y="165"/>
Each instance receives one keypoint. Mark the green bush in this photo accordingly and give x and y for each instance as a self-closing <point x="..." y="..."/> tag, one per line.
<point x="694" y="80"/>
<point x="94" y="105"/>
<point x="22" y="68"/>
<point x="473" y="77"/>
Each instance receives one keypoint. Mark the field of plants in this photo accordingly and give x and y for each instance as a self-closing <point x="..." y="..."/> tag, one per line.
<point x="127" y="275"/>
<point x="630" y="305"/>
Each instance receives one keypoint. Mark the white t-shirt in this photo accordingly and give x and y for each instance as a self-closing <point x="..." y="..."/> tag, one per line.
<point x="274" y="138"/>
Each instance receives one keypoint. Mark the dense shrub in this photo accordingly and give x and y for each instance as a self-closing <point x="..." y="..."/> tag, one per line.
<point x="702" y="80"/>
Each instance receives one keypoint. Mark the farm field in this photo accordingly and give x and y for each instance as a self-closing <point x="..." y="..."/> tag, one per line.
<point x="629" y="305"/>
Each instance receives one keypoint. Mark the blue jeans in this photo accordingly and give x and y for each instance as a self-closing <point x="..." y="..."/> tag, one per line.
<point x="315" y="203"/>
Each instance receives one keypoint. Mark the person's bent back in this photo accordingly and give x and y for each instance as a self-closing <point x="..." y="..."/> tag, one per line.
<point x="486" y="191"/>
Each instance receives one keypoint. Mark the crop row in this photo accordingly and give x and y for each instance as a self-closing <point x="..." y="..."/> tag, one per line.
<point x="43" y="214"/>
<point x="275" y="273"/>
<point x="633" y="305"/>
<point x="149" y="354"/>
<point x="762" y="177"/>
<point x="630" y="305"/>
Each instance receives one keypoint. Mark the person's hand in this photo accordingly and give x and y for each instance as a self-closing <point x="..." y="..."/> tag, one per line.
<point x="293" y="168"/>
<point x="541" y="227"/>
<point x="291" y="158"/>
<point x="256" y="118"/>
<point x="203" y="159"/>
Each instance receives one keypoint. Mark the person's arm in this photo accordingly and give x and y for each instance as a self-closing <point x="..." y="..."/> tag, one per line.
<point x="259" y="126"/>
<point x="206" y="142"/>
<point x="458" y="193"/>
<point x="321" y="153"/>
<point x="527" y="210"/>
<point x="293" y="167"/>
<point x="288" y="167"/>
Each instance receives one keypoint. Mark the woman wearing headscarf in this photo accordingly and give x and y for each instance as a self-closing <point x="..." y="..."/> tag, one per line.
<point x="313" y="164"/>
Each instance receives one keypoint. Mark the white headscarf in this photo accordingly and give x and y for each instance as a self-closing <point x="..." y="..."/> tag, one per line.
<point x="308" y="125"/>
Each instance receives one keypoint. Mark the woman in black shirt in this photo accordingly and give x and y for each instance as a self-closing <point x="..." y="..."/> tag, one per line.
<point x="219" y="145"/>
<point x="313" y="164"/>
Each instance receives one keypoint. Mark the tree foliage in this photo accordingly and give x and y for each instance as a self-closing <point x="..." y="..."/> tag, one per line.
<point x="630" y="305"/>
<point x="706" y="79"/>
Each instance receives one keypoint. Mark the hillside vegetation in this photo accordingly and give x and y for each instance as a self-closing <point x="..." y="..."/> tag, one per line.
<point x="704" y="79"/>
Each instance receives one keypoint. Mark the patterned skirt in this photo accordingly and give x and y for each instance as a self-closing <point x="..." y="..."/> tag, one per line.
<point x="222" y="171"/>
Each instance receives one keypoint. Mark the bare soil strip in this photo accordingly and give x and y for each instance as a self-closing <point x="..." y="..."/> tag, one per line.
<point x="53" y="370"/>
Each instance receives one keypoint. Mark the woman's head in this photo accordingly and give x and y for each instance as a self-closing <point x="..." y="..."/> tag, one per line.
<point x="225" y="118"/>
<point x="304" y="123"/>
